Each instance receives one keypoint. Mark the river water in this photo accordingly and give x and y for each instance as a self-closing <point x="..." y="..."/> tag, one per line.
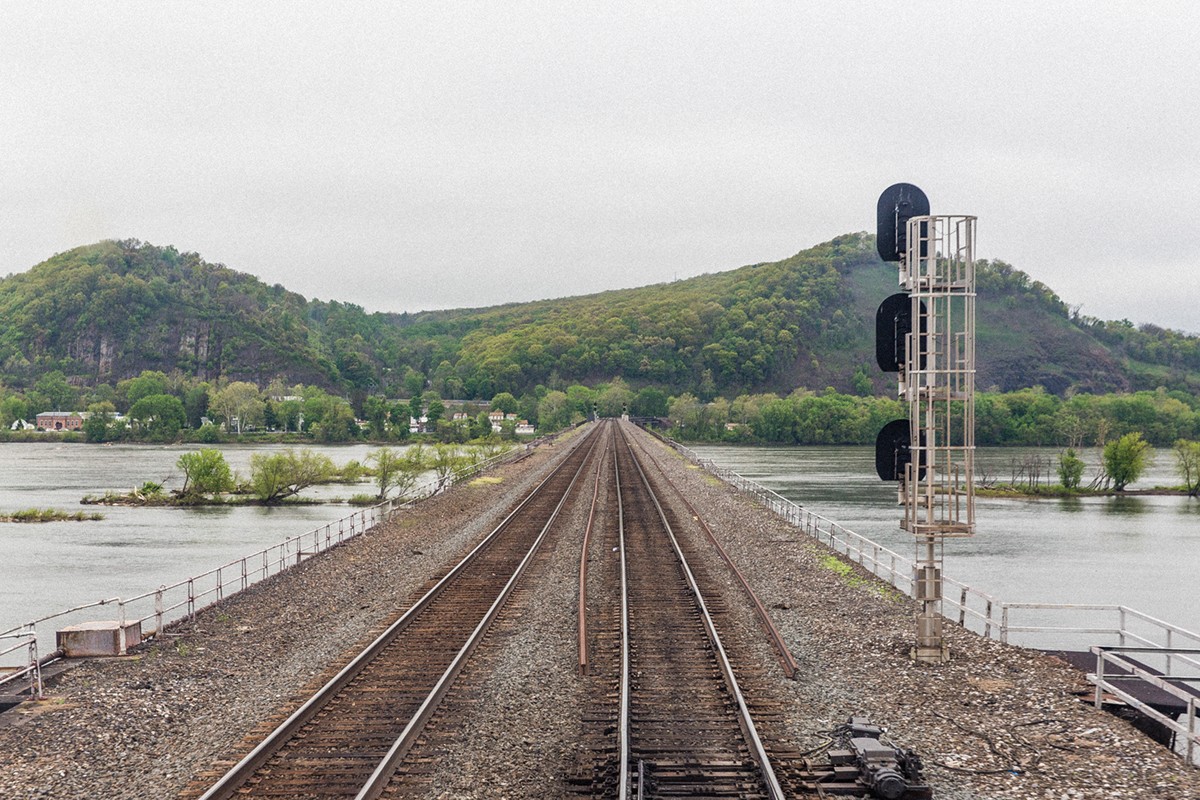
<point x="49" y="567"/>
<point x="1141" y="551"/>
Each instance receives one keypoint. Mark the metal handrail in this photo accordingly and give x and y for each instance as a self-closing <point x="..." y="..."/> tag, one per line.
<point x="1105" y="683"/>
<point x="197" y="592"/>
<point x="971" y="604"/>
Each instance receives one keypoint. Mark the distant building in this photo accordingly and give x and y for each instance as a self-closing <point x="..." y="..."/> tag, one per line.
<point x="524" y="428"/>
<point x="60" y="420"/>
<point x="498" y="417"/>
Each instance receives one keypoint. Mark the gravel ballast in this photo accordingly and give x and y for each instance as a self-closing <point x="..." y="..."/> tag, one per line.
<point x="997" y="721"/>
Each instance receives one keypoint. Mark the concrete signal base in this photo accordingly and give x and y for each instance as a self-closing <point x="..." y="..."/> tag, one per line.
<point x="105" y="638"/>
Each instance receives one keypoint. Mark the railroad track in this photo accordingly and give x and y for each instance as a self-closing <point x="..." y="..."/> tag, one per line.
<point x="681" y="727"/>
<point x="666" y="717"/>
<point x="350" y="737"/>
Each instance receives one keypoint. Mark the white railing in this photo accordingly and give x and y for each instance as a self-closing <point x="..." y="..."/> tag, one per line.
<point x="25" y="640"/>
<point x="1111" y="682"/>
<point x="1177" y="647"/>
<point x="158" y="608"/>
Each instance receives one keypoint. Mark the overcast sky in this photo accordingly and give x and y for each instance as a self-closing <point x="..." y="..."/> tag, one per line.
<point x="409" y="156"/>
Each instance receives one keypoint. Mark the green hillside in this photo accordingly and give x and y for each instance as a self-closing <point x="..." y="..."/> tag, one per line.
<point x="105" y="312"/>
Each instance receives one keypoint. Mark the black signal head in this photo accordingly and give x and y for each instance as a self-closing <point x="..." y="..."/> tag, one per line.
<point x="899" y="203"/>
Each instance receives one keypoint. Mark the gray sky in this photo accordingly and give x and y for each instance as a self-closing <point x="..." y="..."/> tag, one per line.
<point x="407" y="156"/>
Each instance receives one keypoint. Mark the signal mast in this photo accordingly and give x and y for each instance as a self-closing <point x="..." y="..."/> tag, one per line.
<point x="926" y="334"/>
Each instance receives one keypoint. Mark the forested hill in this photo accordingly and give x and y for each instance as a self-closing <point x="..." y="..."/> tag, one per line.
<point x="107" y="311"/>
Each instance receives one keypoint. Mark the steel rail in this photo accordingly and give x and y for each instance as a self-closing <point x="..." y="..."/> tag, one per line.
<point x="623" y="721"/>
<point x="583" y="572"/>
<point x="378" y="781"/>
<point x="758" y="750"/>
<point x="790" y="668"/>
<point x="232" y="780"/>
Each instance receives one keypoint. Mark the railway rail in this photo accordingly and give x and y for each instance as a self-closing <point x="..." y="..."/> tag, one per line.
<point x="681" y="726"/>
<point x="667" y="714"/>
<point x="348" y="738"/>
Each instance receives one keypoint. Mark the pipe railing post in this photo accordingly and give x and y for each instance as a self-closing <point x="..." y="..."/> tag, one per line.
<point x="35" y="670"/>
<point x="121" y="649"/>
<point x="158" y="610"/>
<point x="1191" y="732"/>
<point x="191" y="599"/>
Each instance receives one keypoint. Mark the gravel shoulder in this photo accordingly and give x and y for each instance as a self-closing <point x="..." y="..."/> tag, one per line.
<point x="998" y="721"/>
<point x="145" y="726"/>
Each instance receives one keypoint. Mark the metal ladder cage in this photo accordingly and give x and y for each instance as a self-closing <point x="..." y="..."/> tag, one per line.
<point x="939" y="376"/>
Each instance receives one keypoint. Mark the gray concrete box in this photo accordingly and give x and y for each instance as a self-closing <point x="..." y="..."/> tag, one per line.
<point x="98" y="638"/>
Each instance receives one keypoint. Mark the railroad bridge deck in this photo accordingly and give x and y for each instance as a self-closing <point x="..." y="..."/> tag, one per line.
<point x="997" y="721"/>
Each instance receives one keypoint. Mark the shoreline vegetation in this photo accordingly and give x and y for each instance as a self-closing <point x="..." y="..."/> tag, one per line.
<point x="1058" y="491"/>
<point x="277" y="479"/>
<point x="48" y="515"/>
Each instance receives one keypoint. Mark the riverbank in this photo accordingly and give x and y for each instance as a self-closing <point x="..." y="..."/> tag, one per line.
<point x="1056" y="491"/>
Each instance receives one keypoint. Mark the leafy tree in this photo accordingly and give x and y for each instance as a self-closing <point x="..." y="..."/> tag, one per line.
<point x="614" y="399"/>
<point x="375" y="409"/>
<point x="287" y="414"/>
<point x="1187" y="462"/>
<point x="239" y="404"/>
<point x="554" y="412"/>
<point x="54" y="387"/>
<point x="649" y="402"/>
<point x="435" y="410"/>
<point x="195" y="403"/>
<point x="1070" y="468"/>
<point x="505" y="402"/>
<point x="414" y="382"/>
<point x="416" y="406"/>
<point x="160" y="416"/>
<point x="275" y="477"/>
<point x="96" y="426"/>
<point x="148" y="383"/>
<point x="1125" y="459"/>
<point x="445" y="461"/>
<point x="337" y="421"/>
<point x="205" y="472"/>
<point x="397" y="471"/>
<point x="12" y="408"/>
<point x="399" y="414"/>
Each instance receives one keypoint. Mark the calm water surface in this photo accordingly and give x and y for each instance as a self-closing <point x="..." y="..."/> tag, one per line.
<point x="1142" y="552"/>
<point x="52" y="566"/>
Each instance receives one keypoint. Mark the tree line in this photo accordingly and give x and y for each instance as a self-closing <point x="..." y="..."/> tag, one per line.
<point x="1030" y="417"/>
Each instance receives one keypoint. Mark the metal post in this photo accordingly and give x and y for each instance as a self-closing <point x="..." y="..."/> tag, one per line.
<point x="1004" y="623"/>
<point x="1099" y="701"/>
<point x="1191" y="729"/>
<point x="35" y="680"/>
<point x="121" y="628"/>
<point x="158" y="610"/>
